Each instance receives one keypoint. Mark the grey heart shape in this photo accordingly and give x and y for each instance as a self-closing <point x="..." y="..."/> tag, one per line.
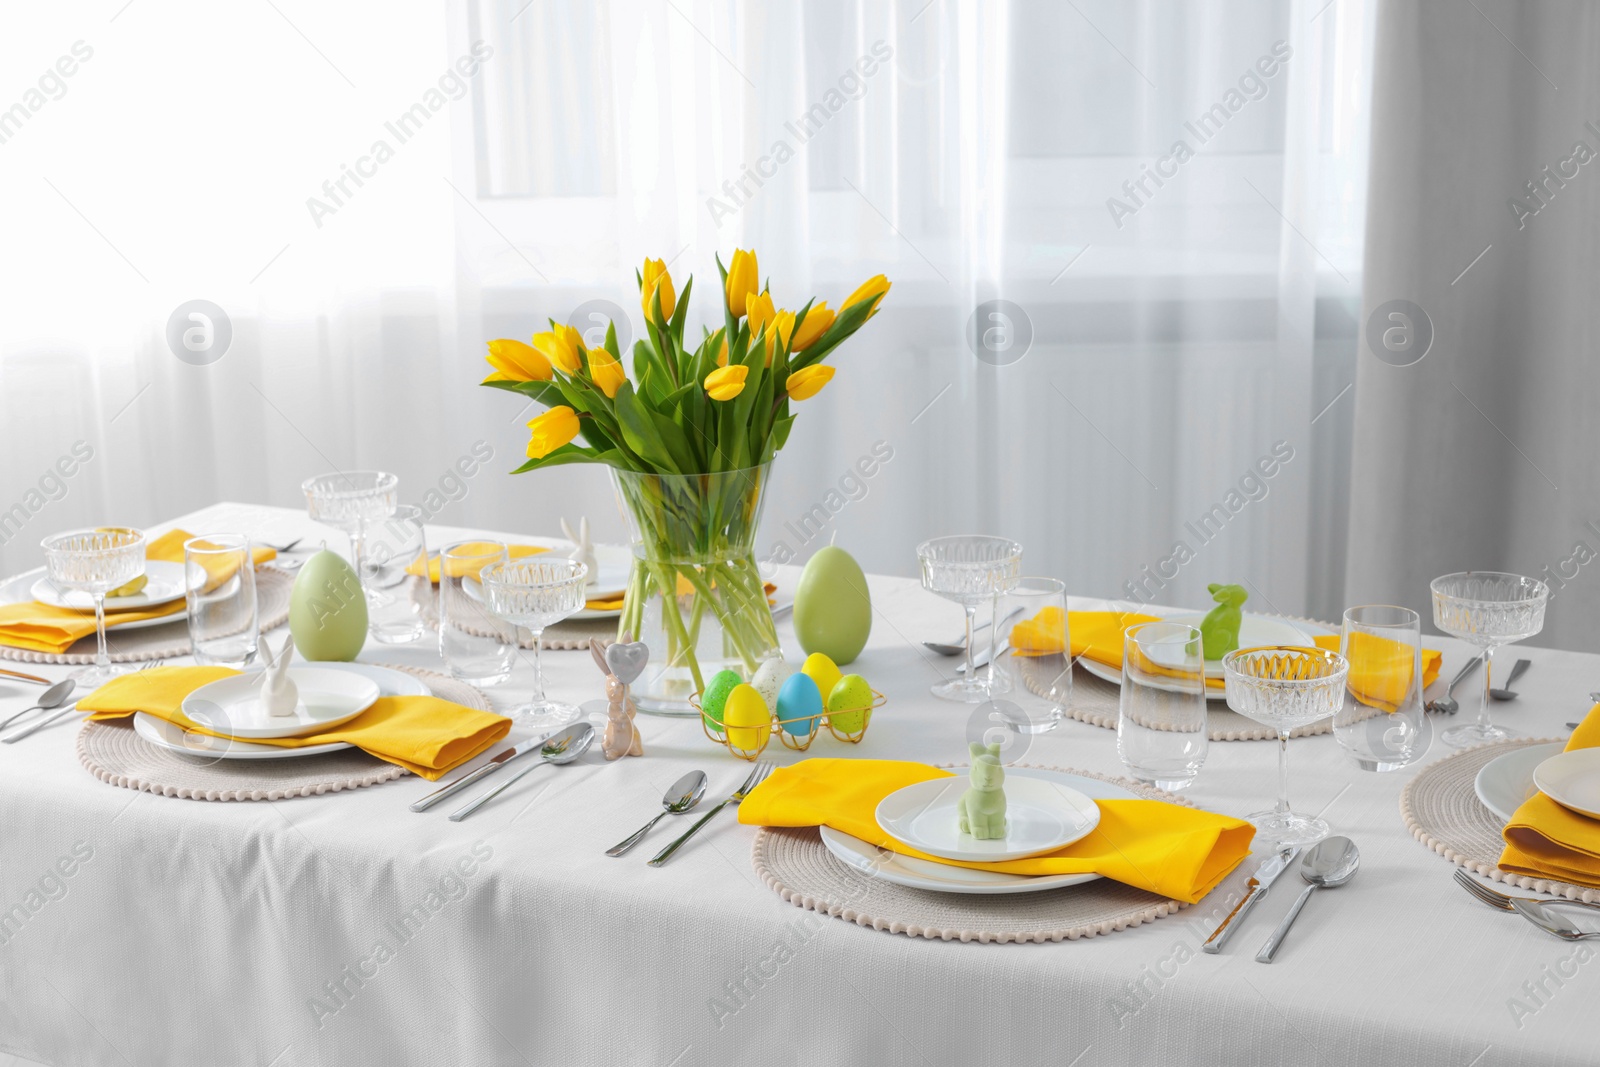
<point x="627" y="659"/>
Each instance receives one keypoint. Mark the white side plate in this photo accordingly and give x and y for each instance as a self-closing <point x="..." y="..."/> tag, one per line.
<point x="1506" y="781"/>
<point x="1041" y="817"/>
<point x="1572" y="779"/>
<point x="163" y="585"/>
<point x="233" y="706"/>
<point x="943" y="878"/>
<point x="1254" y="630"/>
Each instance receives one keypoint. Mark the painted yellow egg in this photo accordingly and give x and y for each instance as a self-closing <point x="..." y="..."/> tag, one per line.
<point x="822" y="670"/>
<point x="747" y="719"/>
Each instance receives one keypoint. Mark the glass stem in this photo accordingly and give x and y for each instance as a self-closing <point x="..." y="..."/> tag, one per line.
<point x="1488" y="672"/>
<point x="357" y="550"/>
<point x="1283" y="772"/>
<point x="972" y="617"/>
<point x="538" y="667"/>
<point x="102" y="659"/>
<point x="994" y="639"/>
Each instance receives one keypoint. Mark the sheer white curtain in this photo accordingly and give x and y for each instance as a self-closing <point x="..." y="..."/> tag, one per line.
<point x="1191" y="311"/>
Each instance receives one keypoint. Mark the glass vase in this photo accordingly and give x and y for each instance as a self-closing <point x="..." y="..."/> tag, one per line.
<point x="695" y="595"/>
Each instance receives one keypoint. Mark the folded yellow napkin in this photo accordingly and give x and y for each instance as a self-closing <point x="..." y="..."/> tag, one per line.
<point x="425" y="735"/>
<point x="614" y="603"/>
<point x="1175" y="851"/>
<point x="1378" y="676"/>
<point x="43" y="628"/>
<point x="1549" y="841"/>
<point x="466" y="569"/>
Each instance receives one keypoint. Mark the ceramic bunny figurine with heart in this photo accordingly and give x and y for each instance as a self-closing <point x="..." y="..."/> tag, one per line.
<point x="279" y="694"/>
<point x="621" y="662"/>
<point x="582" y="548"/>
<point x="983" y="805"/>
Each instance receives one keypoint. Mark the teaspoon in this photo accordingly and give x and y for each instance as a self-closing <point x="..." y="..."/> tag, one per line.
<point x="53" y="697"/>
<point x="684" y="794"/>
<point x="1329" y="865"/>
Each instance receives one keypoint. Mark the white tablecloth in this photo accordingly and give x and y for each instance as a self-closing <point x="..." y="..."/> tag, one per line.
<point x="346" y="930"/>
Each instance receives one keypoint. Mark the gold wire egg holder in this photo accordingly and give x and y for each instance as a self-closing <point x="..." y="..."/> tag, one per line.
<point x="723" y="735"/>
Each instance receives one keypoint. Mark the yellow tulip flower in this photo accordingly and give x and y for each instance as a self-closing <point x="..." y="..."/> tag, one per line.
<point x="606" y="372"/>
<point x="516" y="362"/>
<point x="872" y="289"/>
<point x="818" y="319"/>
<point x="725" y="383"/>
<point x="560" y="348"/>
<point x="551" y="430"/>
<point x="656" y="279"/>
<point x="722" y="354"/>
<point x="760" y="310"/>
<point x="743" y="278"/>
<point x="807" y="383"/>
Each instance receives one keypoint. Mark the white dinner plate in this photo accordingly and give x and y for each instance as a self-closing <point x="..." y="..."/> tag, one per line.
<point x="165" y="735"/>
<point x="1506" y="781"/>
<point x="163" y="585"/>
<point x="1254" y="630"/>
<point x="19" y="588"/>
<point x="1572" y="779"/>
<point x="1041" y="817"/>
<point x="943" y="878"/>
<point x="233" y="705"/>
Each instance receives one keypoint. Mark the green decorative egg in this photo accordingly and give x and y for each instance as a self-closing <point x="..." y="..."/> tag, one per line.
<point x="327" y="611"/>
<point x="832" y="608"/>
<point x="716" y="695"/>
<point x="849" y="703"/>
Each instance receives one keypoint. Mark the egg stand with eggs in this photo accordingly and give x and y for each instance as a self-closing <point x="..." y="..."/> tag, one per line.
<point x="740" y="717"/>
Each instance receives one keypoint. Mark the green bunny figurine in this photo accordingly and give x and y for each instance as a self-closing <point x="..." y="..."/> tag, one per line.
<point x="983" y="805"/>
<point x="1220" y="627"/>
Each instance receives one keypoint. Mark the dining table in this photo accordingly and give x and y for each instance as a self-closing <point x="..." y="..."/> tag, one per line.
<point x="344" y="928"/>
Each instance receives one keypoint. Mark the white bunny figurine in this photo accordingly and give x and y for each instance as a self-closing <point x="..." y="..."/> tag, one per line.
<point x="279" y="694"/>
<point x="582" y="549"/>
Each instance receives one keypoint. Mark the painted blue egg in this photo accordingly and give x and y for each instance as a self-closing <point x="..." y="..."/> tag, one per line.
<point x="799" y="704"/>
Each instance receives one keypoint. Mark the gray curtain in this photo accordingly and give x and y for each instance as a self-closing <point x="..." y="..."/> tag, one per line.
<point x="1483" y="214"/>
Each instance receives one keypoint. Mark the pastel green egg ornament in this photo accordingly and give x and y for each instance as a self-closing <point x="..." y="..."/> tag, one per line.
<point x="832" y="608"/>
<point x="849" y="704"/>
<point x="327" y="611"/>
<point x="716" y="695"/>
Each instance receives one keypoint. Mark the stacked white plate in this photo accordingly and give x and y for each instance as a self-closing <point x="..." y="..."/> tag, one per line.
<point x="330" y="694"/>
<point x="1254" y="631"/>
<point x="1571" y="779"/>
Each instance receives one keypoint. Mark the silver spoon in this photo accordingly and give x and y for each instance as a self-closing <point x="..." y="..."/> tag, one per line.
<point x="53" y="697"/>
<point x="560" y="748"/>
<point x="1548" y="921"/>
<point x="1445" y="705"/>
<point x="1516" y="672"/>
<point x="684" y="794"/>
<point x="1330" y="865"/>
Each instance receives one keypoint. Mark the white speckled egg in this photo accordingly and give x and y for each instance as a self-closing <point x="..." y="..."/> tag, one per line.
<point x="769" y="678"/>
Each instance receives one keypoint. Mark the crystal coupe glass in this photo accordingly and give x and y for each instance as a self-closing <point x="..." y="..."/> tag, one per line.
<point x="1487" y="609"/>
<point x="970" y="569"/>
<point x="95" y="562"/>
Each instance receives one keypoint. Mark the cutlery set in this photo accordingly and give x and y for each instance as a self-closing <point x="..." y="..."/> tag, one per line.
<point x="1539" y="912"/>
<point x="1326" y="865"/>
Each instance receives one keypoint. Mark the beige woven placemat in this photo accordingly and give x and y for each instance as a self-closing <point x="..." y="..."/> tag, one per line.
<point x="171" y="639"/>
<point x="796" y="865"/>
<point x="115" y="754"/>
<point x="1095" y="700"/>
<point x="1442" y="810"/>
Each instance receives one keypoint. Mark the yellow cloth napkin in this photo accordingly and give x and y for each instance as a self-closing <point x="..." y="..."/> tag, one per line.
<point x="43" y="628"/>
<point x="1549" y="841"/>
<point x="425" y="735"/>
<point x="1176" y="851"/>
<point x="1098" y="635"/>
<point x="684" y="589"/>
<point x="465" y="569"/>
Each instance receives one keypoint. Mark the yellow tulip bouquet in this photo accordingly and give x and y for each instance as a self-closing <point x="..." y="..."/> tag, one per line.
<point x="689" y="439"/>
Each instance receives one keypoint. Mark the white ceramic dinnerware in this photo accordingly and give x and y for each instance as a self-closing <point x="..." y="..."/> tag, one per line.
<point x="233" y="706"/>
<point x="1041" y="816"/>
<point x="1507" y="780"/>
<point x="1572" y="779"/>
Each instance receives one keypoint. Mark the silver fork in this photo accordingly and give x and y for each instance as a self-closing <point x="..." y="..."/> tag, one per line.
<point x="60" y="713"/>
<point x="1504" y="903"/>
<point x="758" y="774"/>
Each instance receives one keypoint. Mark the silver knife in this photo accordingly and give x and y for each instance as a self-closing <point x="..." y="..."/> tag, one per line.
<point x="499" y="760"/>
<point x="1255" y="889"/>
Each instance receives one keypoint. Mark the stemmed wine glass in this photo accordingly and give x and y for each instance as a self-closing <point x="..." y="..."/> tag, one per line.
<point x="535" y="593"/>
<point x="95" y="562"/>
<point x="1487" y="609"/>
<point x="969" y="569"/>
<point x="1284" y="687"/>
<point x="349" y="501"/>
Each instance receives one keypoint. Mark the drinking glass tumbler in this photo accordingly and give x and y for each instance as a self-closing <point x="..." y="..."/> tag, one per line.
<point x="395" y="576"/>
<point x="224" y="615"/>
<point x="477" y="647"/>
<point x="1382" y="722"/>
<point x="1033" y="655"/>
<point x="1162" y="731"/>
